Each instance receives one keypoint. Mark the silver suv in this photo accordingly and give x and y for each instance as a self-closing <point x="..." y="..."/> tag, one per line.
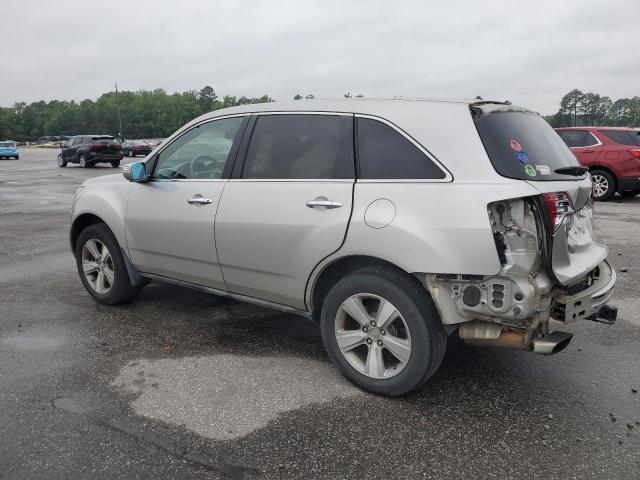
<point x="392" y="223"/>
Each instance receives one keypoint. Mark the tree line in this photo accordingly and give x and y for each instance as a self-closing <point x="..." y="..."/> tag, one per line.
<point x="578" y="109"/>
<point x="145" y="114"/>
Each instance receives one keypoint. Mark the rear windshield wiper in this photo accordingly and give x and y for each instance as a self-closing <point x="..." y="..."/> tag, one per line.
<point x="575" y="171"/>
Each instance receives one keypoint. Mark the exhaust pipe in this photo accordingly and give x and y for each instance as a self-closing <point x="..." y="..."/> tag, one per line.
<point x="485" y="334"/>
<point x="552" y="343"/>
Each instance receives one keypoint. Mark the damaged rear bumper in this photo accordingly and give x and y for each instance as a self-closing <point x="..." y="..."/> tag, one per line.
<point x="569" y="308"/>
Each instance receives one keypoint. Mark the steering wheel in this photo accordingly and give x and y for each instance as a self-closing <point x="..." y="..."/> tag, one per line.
<point x="200" y="167"/>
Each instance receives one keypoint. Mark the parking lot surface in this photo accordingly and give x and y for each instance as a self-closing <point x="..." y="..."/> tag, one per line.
<point x="182" y="384"/>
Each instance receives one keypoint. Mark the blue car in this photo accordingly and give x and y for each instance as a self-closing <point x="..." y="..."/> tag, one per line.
<point x="9" y="149"/>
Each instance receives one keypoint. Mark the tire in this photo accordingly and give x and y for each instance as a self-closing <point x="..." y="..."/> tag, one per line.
<point x="115" y="286"/>
<point x="131" y="154"/>
<point x="630" y="193"/>
<point x="415" y="325"/>
<point x="61" y="161"/>
<point x="83" y="161"/>
<point x="604" y="185"/>
<point x="115" y="163"/>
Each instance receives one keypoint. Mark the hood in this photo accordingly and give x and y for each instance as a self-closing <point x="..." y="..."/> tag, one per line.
<point x="113" y="178"/>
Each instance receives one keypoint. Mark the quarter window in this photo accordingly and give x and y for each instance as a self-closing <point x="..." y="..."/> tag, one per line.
<point x="384" y="153"/>
<point x="200" y="153"/>
<point x="622" y="137"/>
<point x="300" y="146"/>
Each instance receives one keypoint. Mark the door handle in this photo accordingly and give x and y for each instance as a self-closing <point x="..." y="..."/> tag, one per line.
<point x="588" y="151"/>
<point x="323" y="202"/>
<point x="199" y="200"/>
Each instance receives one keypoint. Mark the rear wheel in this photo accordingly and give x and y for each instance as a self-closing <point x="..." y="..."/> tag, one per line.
<point x="382" y="331"/>
<point x="630" y="193"/>
<point x="604" y="185"/>
<point x="115" y="163"/>
<point x="101" y="266"/>
<point x="131" y="153"/>
<point x="61" y="161"/>
<point x="83" y="161"/>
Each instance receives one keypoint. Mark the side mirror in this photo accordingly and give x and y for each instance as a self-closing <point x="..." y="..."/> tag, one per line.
<point x="135" y="172"/>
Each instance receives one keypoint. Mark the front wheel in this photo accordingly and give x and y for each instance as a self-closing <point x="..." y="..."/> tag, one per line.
<point x="61" y="161"/>
<point x="382" y="331"/>
<point x="131" y="154"/>
<point x="115" y="163"/>
<point x="604" y="185"/>
<point x="101" y="266"/>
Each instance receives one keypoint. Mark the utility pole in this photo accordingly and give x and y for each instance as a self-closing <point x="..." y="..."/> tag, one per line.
<point x="121" y="134"/>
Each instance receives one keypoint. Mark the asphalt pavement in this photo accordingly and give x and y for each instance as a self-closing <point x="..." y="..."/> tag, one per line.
<point x="182" y="384"/>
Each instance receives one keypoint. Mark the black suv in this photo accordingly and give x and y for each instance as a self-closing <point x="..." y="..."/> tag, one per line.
<point x="87" y="150"/>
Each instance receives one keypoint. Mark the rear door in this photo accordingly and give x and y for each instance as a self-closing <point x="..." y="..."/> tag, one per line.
<point x="290" y="205"/>
<point x="170" y="219"/>
<point x="584" y="145"/>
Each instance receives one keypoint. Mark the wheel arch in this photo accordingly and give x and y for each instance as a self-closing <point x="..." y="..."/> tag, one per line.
<point x="339" y="268"/>
<point x="81" y="222"/>
<point x="605" y="168"/>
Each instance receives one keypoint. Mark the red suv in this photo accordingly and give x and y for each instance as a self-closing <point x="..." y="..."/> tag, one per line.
<point x="612" y="155"/>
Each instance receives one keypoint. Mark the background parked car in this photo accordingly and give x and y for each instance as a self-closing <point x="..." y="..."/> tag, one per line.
<point x="612" y="155"/>
<point x="9" y="149"/>
<point x="133" y="148"/>
<point x="87" y="150"/>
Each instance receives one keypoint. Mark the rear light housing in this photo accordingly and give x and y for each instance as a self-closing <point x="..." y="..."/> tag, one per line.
<point x="559" y="207"/>
<point x="634" y="152"/>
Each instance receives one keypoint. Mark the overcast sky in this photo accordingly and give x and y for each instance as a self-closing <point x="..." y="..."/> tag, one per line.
<point x="528" y="52"/>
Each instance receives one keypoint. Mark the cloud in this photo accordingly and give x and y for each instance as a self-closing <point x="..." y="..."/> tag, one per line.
<point x="528" y="53"/>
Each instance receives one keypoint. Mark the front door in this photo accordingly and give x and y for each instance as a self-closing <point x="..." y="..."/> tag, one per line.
<point x="291" y="206"/>
<point x="69" y="152"/>
<point x="170" y="219"/>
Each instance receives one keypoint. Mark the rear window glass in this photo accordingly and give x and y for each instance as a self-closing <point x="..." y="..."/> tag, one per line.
<point x="7" y="145"/>
<point x="101" y="139"/>
<point x="622" y="137"/>
<point x="523" y="146"/>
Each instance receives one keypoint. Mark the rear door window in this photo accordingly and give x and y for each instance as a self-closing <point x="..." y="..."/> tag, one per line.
<point x="384" y="153"/>
<point x="300" y="146"/>
<point x="522" y="145"/>
<point x="622" y="137"/>
<point x="574" y="138"/>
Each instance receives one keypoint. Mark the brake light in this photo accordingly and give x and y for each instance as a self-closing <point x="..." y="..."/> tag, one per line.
<point x="635" y="152"/>
<point x="558" y="206"/>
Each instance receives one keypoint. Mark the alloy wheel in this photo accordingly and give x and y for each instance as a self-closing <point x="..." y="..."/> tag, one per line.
<point x="600" y="185"/>
<point x="373" y="336"/>
<point x="97" y="266"/>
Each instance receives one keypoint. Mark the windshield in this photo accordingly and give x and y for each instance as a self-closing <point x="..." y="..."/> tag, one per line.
<point x="522" y="145"/>
<point x="7" y="145"/>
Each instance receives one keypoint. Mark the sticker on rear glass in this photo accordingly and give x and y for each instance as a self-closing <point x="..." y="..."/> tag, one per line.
<point x="530" y="170"/>
<point x="523" y="157"/>
<point x="516" y="145"/>
<point x="543" y="169"/>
